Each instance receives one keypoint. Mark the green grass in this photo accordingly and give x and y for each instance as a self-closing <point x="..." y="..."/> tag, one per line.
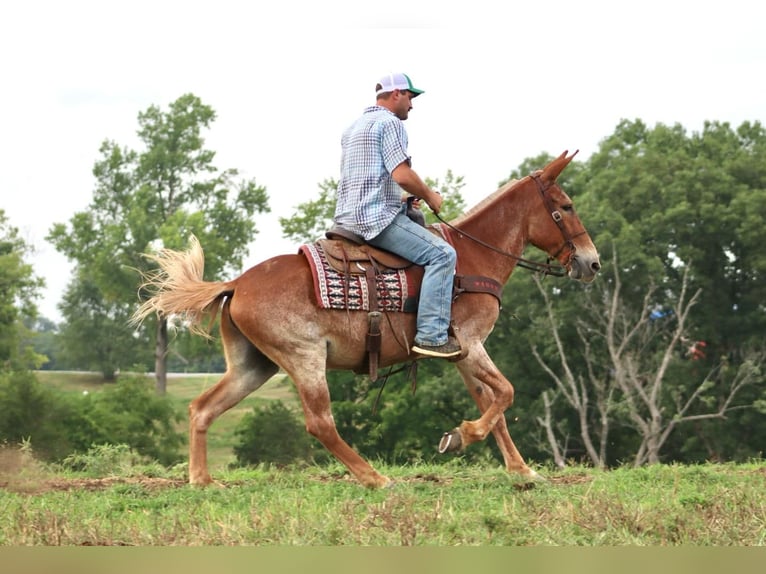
<point x="453" y="504"/>
<point x="446" y="505"/>
<point x="182" y="389"/>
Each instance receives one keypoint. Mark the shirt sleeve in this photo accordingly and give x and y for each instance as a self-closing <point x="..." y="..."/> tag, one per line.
<point x="393" y="144"/>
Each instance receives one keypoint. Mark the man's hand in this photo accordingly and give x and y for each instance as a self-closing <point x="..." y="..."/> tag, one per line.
<point x="435" y="202"/>
<point x="410" y="182"/>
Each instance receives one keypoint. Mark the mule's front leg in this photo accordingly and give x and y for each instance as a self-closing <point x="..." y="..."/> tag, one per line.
<point x="470" y="432"/>
<point x="484" y="397"/>
<point x="493" y="394"/>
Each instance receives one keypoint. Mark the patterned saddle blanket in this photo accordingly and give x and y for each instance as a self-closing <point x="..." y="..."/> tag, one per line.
<point x="396" y="289"/>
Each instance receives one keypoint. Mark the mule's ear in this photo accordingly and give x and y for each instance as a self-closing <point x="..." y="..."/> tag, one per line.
<point x="554" y="168"/>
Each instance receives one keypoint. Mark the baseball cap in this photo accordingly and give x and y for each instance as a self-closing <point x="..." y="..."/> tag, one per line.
<point x="391" y="82"/>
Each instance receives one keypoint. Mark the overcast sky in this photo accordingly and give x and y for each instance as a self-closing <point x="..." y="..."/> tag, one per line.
<point x="502" y="83"/>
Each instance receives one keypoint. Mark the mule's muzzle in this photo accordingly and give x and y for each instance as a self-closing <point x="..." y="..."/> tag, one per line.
<point x="583" y="268"/>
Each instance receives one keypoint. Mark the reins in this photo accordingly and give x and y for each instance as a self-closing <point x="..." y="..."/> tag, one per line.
<point x="537" y="266"/>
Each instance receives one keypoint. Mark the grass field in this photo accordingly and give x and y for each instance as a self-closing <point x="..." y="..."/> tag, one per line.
<point x="182" y="389"/>
<point x="454" y="504"/>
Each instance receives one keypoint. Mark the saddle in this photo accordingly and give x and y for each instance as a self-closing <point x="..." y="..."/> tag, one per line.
<point x="349" y="254"/>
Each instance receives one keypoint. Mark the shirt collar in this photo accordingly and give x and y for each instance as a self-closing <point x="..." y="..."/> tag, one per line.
<point x="377" y="109"/>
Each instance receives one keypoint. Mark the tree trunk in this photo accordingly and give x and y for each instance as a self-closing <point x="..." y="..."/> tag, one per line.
<point x="547" y="424"/>
<point x="161" y="356"/>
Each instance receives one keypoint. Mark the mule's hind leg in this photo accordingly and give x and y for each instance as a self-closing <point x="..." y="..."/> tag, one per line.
<point x="246" y="370"/>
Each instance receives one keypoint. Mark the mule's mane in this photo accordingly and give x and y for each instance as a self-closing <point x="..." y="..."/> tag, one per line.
<point x="484" y="202"/>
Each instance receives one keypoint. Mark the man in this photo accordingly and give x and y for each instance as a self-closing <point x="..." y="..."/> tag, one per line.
<point x="375" y="168"/>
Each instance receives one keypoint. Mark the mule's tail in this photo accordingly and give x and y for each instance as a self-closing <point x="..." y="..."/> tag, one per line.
<point x="177" y="288"/>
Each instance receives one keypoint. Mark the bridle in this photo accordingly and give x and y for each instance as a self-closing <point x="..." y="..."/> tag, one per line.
<point x="556" y="270"/>
<point x="559" y="219"/>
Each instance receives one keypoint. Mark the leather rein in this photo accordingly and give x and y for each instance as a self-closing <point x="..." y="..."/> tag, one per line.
<point x="547" y="268"/>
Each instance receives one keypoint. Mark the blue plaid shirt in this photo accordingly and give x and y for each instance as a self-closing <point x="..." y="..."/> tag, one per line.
<point x="368" y="197"/>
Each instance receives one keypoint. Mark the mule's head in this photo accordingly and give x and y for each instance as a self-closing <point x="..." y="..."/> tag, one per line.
<point x="556" y="227"/>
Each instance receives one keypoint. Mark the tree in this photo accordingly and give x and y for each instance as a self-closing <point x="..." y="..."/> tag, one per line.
<point x="665" y="200"/>
<point x="32" y="413"/>
<point x="583" y="391"/>
<point x="311" y="219"/>
<point x="42" y="337"/>
<point x="638" y="370"/>
<point x="158" y="197"/>
<point x="128" y="413"/>
<point x="58" y="424"/>
<point x="18" y="289"/>
<point x="89" y="316"/>
<point x="666" y="197"/>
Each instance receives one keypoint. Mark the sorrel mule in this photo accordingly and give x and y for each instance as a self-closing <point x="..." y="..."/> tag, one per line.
<point x="270" y="319"/>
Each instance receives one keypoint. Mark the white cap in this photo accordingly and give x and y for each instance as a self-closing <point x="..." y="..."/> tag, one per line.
<point x="392" y="82"/>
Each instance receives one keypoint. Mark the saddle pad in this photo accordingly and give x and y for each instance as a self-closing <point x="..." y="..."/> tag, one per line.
<point x="334" y="290"/>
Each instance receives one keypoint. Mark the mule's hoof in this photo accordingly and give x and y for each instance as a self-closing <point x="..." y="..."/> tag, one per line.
<point x="535" y="477"/>
<point x="450" y="441"/>
<point x="201" y="481"/>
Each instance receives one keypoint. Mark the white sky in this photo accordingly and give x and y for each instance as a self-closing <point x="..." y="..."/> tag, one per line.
<point x="502" y="83"/>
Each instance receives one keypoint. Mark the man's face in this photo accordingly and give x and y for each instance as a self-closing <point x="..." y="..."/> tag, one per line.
<point x="403" y="103"/>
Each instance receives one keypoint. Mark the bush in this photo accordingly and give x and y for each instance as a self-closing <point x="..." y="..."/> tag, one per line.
<point x="104" y="460"/>
<point x="129" y="413"/>
<point x="275" y="435"/>
<point x="31" y="413"/>
<point x="57" y="424"/>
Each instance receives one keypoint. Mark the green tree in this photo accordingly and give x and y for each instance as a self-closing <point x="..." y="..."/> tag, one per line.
<point x="155" y="198"/>
<point x="667" y="202"/>
<point x="42" y="336"/>
<point x="58" y="424"/>
<point x="89" y="316"/>
<point x="668" y="197"/>
<point x="191" y="353"/>
<point x="311" y="219"/>
<point x="18" y="289"/>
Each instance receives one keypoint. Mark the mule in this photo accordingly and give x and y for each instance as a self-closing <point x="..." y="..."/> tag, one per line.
<point x="270" y="319"/>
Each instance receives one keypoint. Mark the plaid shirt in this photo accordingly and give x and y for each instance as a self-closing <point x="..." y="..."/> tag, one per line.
<point x="368" y="197"/>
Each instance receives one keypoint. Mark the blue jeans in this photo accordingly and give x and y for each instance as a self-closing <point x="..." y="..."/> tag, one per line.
<point x="408" y="239"/>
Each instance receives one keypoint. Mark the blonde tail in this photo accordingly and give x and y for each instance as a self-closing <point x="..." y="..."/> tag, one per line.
<point x="177" y="288"/>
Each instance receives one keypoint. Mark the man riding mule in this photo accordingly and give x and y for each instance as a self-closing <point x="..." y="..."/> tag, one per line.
<point x="271" y="318"/>
<point x="375" y="168"/>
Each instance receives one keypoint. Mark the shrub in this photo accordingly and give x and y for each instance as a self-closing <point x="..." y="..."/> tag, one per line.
<point x="32" y="413"/>
<point x="129" y="413"/>
<point x="57" y="424"/>
<point x="104" y="460"/>
<point x="276" y="435"/>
